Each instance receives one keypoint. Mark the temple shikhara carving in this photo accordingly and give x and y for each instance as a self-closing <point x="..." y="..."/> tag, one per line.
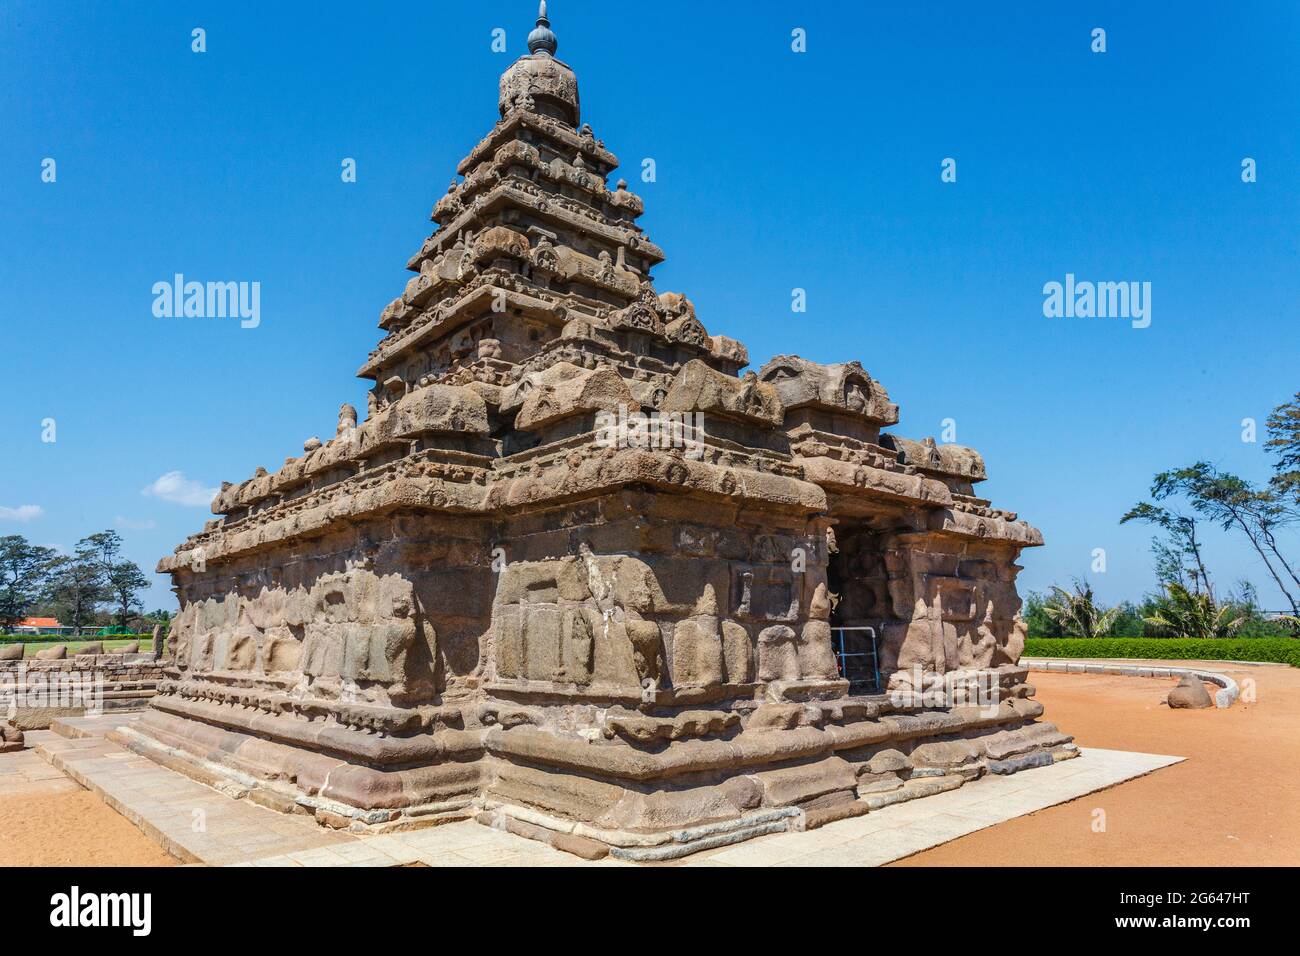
<point x="577" y="574"/>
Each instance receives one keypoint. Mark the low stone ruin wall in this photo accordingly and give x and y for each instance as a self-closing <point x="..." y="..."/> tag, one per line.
<point x="34" y="693"/>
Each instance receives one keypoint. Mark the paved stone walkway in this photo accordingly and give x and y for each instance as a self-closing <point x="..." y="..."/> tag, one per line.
<point x="192" y="822"/>
<point x="198" y="824"/>
<point x="903" y="829"/>
<point x="24" y="774"/>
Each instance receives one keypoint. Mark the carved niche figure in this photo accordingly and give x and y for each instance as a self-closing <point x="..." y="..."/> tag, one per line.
<point x="347" y="420"/>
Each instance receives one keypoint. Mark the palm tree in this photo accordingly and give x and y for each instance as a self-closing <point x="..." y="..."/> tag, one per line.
<point x="1195" y="615"/>
<point x="1077" y="614"/>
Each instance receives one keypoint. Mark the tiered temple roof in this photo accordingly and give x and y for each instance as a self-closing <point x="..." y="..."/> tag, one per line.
<point x="538" y="274"/>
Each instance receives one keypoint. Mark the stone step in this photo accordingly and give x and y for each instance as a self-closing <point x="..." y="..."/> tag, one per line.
<point x="74" y="727"/>
<point x="193" y="823"/>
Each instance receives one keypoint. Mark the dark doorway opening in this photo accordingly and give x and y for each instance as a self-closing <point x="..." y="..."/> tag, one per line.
<point x="856" y="575"/>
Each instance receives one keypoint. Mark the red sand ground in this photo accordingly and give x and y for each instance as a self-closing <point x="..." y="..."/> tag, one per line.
<point x="71" y="829"/>
<point x="1234" y="801"/>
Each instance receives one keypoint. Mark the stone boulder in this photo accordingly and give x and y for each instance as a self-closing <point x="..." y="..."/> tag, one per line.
<point x="56" y="653"/>
<point x="132" y="648"/>
<point x="11" y="738"/>
<point x="1190" y="694"/>
<point x="11" y="652"/>
<point x="94" y="647"/>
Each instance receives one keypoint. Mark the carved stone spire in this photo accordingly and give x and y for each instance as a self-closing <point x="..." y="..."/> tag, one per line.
<point x="538" y="82"/>
<point x="542" y="40"/>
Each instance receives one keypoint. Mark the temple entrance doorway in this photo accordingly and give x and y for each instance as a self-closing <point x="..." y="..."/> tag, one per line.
<point x="856" y="575"/>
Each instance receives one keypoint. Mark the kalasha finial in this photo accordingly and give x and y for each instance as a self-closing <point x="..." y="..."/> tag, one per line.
<point x="542" y="40"/>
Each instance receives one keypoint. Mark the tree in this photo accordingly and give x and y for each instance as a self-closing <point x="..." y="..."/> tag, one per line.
<point x="1038" y="622"/>
<point x="125" y="582"/>
<point x="79" y="584"/>
<point x="1185" y="614"/>
<point x="24" y="570"/>
<point x="1128" y="621"/>
<point x="1234" y="503"/>
<point x="1077" y="614"/>
<point x="1180" y="555"/>
<point x="105" y="546"/>
<point x="123" y="579"/>
<point x="1283" y="427"/>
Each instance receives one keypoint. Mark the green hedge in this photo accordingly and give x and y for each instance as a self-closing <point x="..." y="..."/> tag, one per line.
<point x="1278" y="650"/>
<point x="71" y="638"/>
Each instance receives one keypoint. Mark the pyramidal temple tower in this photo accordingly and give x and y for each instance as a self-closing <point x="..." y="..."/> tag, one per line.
<point x="575" y="575"/>
<point x="535" y="259"/>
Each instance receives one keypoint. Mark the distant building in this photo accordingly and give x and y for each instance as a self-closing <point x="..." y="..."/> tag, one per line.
<point x="50" y="626"/>
<point x="38" y="625"/>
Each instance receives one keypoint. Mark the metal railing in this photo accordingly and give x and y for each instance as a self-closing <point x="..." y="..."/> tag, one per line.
<point x="857" y="658"/>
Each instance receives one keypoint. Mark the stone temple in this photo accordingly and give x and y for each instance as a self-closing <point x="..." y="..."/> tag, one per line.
<point x="577" y="576"/>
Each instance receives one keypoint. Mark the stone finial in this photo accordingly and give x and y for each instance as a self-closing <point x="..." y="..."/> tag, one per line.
<point x="347" y="419"/>
<point x="540" y="83"/>
<point x="542" y="40"/>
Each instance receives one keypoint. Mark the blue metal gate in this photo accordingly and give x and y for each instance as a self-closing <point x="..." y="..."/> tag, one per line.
<point x="855" y="653"/>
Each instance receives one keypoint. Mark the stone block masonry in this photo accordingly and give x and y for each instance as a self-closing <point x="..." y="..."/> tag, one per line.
<point x="35" y="692"/>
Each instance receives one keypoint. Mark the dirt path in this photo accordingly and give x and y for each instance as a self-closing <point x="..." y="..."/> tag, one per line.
<point x="46" y="819"/>
<point x="1234" y="801"/>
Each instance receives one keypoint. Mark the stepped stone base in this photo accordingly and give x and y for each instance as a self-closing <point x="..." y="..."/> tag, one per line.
<point x="161" y="803"/>
<point x="791" y="767"/>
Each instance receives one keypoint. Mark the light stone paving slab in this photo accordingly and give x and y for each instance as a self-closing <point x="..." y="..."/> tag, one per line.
<point x="24" y="774"/>
<point x="192" y="822"/>
<point x="904" y="829"/>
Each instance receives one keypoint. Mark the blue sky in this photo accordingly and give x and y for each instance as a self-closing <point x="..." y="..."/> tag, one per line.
<point x="775" y="170"/>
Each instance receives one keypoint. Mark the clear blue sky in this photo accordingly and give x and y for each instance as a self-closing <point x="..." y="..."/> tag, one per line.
<point x="775" y="170"/>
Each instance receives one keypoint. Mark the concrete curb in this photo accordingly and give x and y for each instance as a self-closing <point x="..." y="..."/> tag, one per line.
<point x="1228" y="691"/>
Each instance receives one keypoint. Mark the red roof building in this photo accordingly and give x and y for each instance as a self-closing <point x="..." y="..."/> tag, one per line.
<point x="39" y="622"/>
